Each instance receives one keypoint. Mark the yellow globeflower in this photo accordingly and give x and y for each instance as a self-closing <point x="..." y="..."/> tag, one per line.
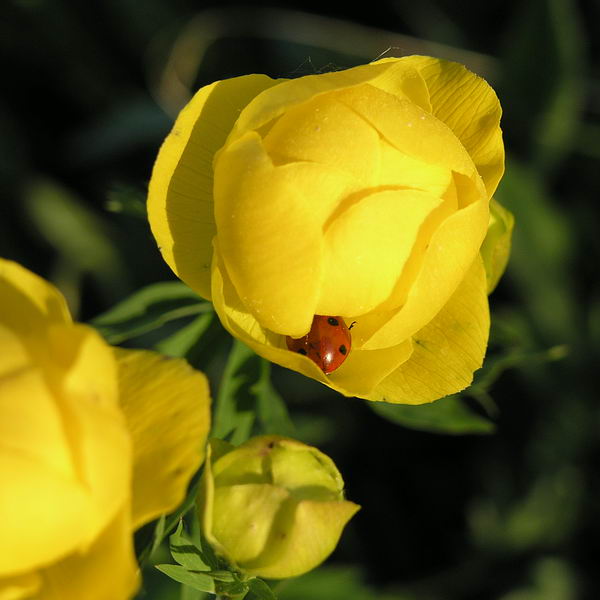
<point x="361" y="194"/>
<point x="273" y="507"/>
<point x="94" y="442"/>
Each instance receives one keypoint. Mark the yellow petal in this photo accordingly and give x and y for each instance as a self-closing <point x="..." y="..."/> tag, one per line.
<point x="106" y="571"/>
<point x="302" y="539"/>
<point x="274" y="102"/>
<point x="409" y="128"/>
<point x="167" y="408"/>
<point x="366" y="247"/>
<point x="20" y="587"/>
<point x="364" y="369"/>
<point x="244" y="516"/>
<point x="180" y="202"/>
<point x="401" y="79"/>
<point x="451" y="252"/>
<point x="269" y="237"/>
<point x="495" y="249"/>
<point x="400" y="170"/>
<point x="86" y="390"/>
<point x="446" y="351"/>
<point x="45" y="515"/>
<point x="470" y="107"/>
<point x="75" y="447"/>
<point x="29" y="303"/>
<point x="30" y="419"/>
<point x="357" y="376"/>
<point x="325" y="131"/>
<point x="284" y="462"/>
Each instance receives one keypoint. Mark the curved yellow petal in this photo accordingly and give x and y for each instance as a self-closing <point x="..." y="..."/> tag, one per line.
<point x="366" y="248"/>
<point x="451" y="252"/>
<point x="401" y="79"/>
<point x="302" y="537"/>
<point x="495" y="249"/>
<point x="87" y="397"/>
<point x="107" y="570"/>
<point x="269" y="237"/>
<point x="362" y="371"/>
<point x="356" y="377"/>
<point x="29" y="303"/>
<point x="409" y="128"/>
<point x="470" y="107"/>
<point x="75" y="447"/>
<point x="20" y="587"/>
<point x="167" y="408"/>
<point x="447" y="350"/>
<point x="325" y="131"/>
<point x="180" y="202"/>
<point x="29" y="419"/>
<point x="45" y="515"/>
<point x="271" y="104"/>
<point x="244" y="519"/>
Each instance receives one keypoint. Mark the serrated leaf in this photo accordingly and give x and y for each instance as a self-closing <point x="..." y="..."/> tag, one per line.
<point x="198" y="581"/>
<point x="225" y="576"/>
<point x="259" y="590"/>
<point x="148" y="309"/>
<point x="234" y="589"/>
<point x="448" y="415"/>
<point x="185" y="552"/>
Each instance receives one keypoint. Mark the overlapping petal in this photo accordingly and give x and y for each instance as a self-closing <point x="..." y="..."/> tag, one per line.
<point x="475" y="122"/>
<point x="180" y="201"/>
<point x="447" y="350"/>
<point x="361" y="193"/>
<point x="164" y="400"/>
<point x="104" y="571"/>
<point x="274" y="507"/>
<point x="66" y="452"/>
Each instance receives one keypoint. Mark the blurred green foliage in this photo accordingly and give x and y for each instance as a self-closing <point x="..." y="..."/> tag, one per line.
<point x="90" y="90"/>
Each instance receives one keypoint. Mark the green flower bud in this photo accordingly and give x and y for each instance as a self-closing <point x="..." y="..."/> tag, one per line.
<point x="273" y="507"/>
<point x="495" y="249"/>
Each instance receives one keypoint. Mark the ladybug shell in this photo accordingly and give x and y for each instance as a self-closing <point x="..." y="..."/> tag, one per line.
<point x="327" y="343"/>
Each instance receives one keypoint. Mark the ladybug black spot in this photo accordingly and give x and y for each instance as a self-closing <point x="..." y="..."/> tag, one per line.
<point x="302" y="351"/>
<point x="343" y="349"/>
<point x="332" y="321"/>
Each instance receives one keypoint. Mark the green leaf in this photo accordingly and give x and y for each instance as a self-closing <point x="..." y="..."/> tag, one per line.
<point x="246" y="392"/>
<point x="166" y="524"/>
<point x="148" y="309"/>
<point x="259" y="590"/>
<point x="185" y="552"/>
<point x="234" y="589"/>
<point x="196" y="580"/>
<point x="448" y="415"/>
<point x="183" y="340"/>
<point x="234" y="412"/>
<point x="272" y="411"/>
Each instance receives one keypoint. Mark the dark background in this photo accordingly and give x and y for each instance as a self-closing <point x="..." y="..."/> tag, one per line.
<point x="91" y="89"/>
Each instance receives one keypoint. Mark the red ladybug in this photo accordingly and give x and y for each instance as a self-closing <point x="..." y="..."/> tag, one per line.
<point x="327" y="343"/>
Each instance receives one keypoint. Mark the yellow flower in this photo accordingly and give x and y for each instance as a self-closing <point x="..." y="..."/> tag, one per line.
<point x="273" y="507"/>
<point x="362" y="194"/>
<point x="94" y="442"/>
